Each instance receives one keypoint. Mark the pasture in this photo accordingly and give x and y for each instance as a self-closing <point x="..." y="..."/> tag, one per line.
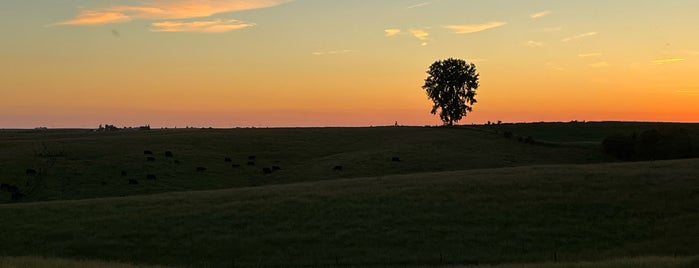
<point x="455" y="197"/>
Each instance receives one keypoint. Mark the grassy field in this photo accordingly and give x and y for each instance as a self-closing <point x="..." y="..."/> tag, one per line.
<point x="522" y="214"/>
<point x="645" y="262"/>
<point x="78" y="164"/>
<point x="458" y="196"/>
<point x="584" y="132"/>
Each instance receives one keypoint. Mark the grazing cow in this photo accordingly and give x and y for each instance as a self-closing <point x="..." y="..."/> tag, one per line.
<point x="11" y="188"/>
<point x="133" y="182"/>
<point x="169" y="154"/>
<point x="177" y="162"/>
<point x="251" y="163"/>
<point x="16" y="196"/>
<point x="123" y="173"/>
<point x="150" y="159"/>
<point x="150" y="177"/>
<point x="148" y="152"/>
<point x="31" y="171"/>
<point x="201" y="169"/>
<point x="338" y="168"/>
<point x="235" y="165"/>
<point x="228" y="159"/>
<point x="395" y="159"/>
<point x="267" y="171"/>
<point x="275" y="168"/>
<point x="252" y="157"/>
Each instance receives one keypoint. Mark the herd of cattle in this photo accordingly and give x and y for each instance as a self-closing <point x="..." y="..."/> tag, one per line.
<point x="17" y="195"/>
<point x="150" y="157"/>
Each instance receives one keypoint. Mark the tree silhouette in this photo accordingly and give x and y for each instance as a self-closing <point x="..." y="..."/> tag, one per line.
<point x="452" y="85"/>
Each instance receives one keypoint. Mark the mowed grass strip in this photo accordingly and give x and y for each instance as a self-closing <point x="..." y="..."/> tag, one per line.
<point x="522" y="214"/>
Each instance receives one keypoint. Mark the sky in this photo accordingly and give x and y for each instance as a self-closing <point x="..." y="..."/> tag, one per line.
<point x="290" y="63"/>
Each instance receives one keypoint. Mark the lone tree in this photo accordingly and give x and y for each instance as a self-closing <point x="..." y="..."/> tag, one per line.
<point x="452" y="85"/>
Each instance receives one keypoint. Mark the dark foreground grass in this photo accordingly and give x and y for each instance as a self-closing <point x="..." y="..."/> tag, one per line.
<point x="77" y="164"/>
<point x="585" y="132"/>
<point x="508" y="215"/>
<point x="642" y="262"/>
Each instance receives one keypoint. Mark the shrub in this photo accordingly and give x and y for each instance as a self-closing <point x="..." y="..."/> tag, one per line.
<point x="653" y="144"/>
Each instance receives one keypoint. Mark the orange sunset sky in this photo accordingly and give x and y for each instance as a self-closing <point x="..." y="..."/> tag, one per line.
<point x="228" y="63"/>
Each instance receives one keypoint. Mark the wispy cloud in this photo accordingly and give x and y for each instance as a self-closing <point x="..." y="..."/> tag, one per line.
<point x="474" y="28"/>
<point x="532" y="43"/>
<point x="588" y="55"/>
<point x="391" y="32"/>
<point x="668" y="60"/>
<point x="420" y="34"/>
<point x="540" y="14"/>
<point x="554" y="66"/>
<point x="551" y="29"/>
<point x="579" y="36"/>
<point x="601" y="64"/>
<point x="688" y="92"/>
<point x="211" y="26"/>
<point x="419" y="5"/>
<point x="166" y="10"/>
<point x="334" y="52"/>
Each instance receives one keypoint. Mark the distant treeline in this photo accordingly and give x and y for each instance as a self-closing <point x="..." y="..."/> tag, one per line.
<point x="653" y="144"/>
<point x="108" y="127"/>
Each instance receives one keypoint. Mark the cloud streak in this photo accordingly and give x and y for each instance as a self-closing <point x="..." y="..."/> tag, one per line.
<point x="539" y="15"/>
<point x="419" y="5"/>
<point x="669" y="60"/>
<point x="166" y="10"/>
<point x="210" y="26"/>
<point x="688" y="92"/>
<point x="580" y="36"/>
<point x="533" y="43"/>
<point x="474" y="28"/>
<point x="334" y="52"/>
<point x="588" y="55"/>
<point x="391" y="32"/>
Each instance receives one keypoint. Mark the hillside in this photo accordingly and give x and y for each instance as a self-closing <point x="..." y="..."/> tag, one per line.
<point x="78" y="164"/>
<point x="503" y="215"/>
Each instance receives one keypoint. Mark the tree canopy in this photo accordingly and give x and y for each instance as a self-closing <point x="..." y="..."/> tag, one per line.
<point x="452" y="85"/>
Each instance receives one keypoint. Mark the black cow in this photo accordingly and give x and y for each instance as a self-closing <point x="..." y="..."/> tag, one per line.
<point x="148" y="152"/>
<point x="133" y="182"/>
<point x="31" y="171"/>
<point x="252" y="157"/>
<point x="251" y="163"/>
<point x="235" y="165"/>
<point x="267" y="171"/>
<point x="169" y="154"/>
<point x="16" y="196"/>
<point x="275" y="168"/>
<point x="338" y="168"/>
<point x="11" y="188"/>
<point x="201" y="169"/>
<point x="395" y="159"/>
<point x="228" y="159"/>
<point x="150" y="177"/>
<point x="123" y="173"/>
<point x="150" y="159"/>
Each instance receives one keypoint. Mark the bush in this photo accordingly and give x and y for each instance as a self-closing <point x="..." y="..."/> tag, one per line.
<point x="653" y="144"/>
